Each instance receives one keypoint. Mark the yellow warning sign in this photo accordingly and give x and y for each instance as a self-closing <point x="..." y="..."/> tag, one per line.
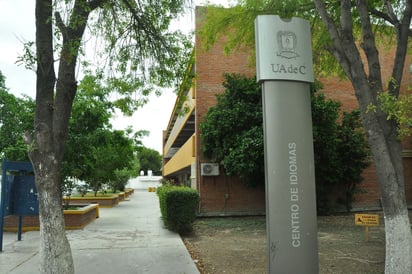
<point x="367" y="219"/>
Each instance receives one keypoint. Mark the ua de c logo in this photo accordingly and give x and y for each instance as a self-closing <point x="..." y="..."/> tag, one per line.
<point x="287" y="42"/>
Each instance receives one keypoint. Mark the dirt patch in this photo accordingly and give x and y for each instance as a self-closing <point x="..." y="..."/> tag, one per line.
<point x="238" y="245"/>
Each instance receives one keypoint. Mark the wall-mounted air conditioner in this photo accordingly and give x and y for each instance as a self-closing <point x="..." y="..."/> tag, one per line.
<point x="209" y="169"/>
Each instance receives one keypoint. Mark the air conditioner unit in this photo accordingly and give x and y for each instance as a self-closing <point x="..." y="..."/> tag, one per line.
<point x="209" y="169"/>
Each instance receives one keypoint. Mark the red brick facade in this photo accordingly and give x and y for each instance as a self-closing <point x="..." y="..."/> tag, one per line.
<point x="223" y="195"/>
<point x="220" y="195"/>
<point x="340" y="90"/>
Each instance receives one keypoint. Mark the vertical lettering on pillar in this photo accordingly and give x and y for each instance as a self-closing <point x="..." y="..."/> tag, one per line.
<point x="294" y="195"/>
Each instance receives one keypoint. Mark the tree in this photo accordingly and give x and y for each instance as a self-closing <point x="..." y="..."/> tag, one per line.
<point x="350" y="30"/>
<point x="140" y="50"/>
<point x="2" y="81"/>
<point x="398" y="108"/>
<point x="110" y="151"/>
<point x="95" y="153"/>
<point x="353" y="158"/>
<point x="237" y="140"/>
<point x="382" y="132"/>
<point x="149" y="159"/>
<point x="341" y="153"/>
<point x="16" y="117"/>
<point x="91" y="112"/>
<point x="123" y="175"/>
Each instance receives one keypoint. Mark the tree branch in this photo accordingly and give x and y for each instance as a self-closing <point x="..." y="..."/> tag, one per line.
<point x="393" y="20"/>
<point x="66" y="86"/>
<point x="369" y="47"/>
<point x="383" y="15"/>
<point x="46" y="77"/>
<point x="403" y="32"/>
<point x="336" y="49"/>
<point x="391" y="13"/>
<point x="60" y="24"/>
<point x="146" y="27"/>
<point x="94" y="4"/>
<point x="346" y="20"/>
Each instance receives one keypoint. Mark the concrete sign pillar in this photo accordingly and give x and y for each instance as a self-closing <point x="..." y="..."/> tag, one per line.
<point x="284" y="67"/>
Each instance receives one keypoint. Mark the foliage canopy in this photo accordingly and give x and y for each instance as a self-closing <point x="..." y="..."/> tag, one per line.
<point x="232" y="131"/>
<point x="16" y="117"/>
<point x="149" y="159"/>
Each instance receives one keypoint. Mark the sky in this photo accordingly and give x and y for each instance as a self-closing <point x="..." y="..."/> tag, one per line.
<point x="17" y="26"/>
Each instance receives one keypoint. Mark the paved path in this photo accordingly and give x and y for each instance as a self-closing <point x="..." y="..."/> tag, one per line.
<point x="129" y="238"/>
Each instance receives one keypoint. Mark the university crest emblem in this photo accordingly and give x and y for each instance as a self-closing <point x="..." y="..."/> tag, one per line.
<point x="287" y="42"/>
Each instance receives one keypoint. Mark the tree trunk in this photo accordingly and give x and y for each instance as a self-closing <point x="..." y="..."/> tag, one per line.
<point x="398" y="244"/>
<point x="55" y="252"/>
<point x="53" y="108"/>
<point x="388" y="161"/>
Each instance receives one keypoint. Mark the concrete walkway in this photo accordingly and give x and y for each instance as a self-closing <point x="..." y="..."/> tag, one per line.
<point x="129" y="238"/>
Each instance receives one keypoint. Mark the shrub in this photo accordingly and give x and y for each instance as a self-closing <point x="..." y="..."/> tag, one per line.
<point x="161" y="192"/>
<point x="178" y="206"/>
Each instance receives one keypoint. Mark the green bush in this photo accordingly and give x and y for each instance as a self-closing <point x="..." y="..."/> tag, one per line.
<point x="161" y="192"/>
<point x="178" y="206"/>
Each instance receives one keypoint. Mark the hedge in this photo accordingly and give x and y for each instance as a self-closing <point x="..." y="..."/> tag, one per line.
<point x="178" y="206"/>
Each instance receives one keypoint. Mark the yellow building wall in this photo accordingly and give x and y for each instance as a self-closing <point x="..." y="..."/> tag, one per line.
<point x="184" y="157"/>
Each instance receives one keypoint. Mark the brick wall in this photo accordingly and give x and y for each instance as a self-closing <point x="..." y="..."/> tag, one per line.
<point x="225" y="195"/>
<point x="342" y="91"/>
<point x="210" y="67"/>
<point x="407" y="164"/>
<point x="369" y="194"/>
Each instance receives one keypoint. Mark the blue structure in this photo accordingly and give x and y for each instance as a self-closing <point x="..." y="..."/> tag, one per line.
<point x="18" y="193"/>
